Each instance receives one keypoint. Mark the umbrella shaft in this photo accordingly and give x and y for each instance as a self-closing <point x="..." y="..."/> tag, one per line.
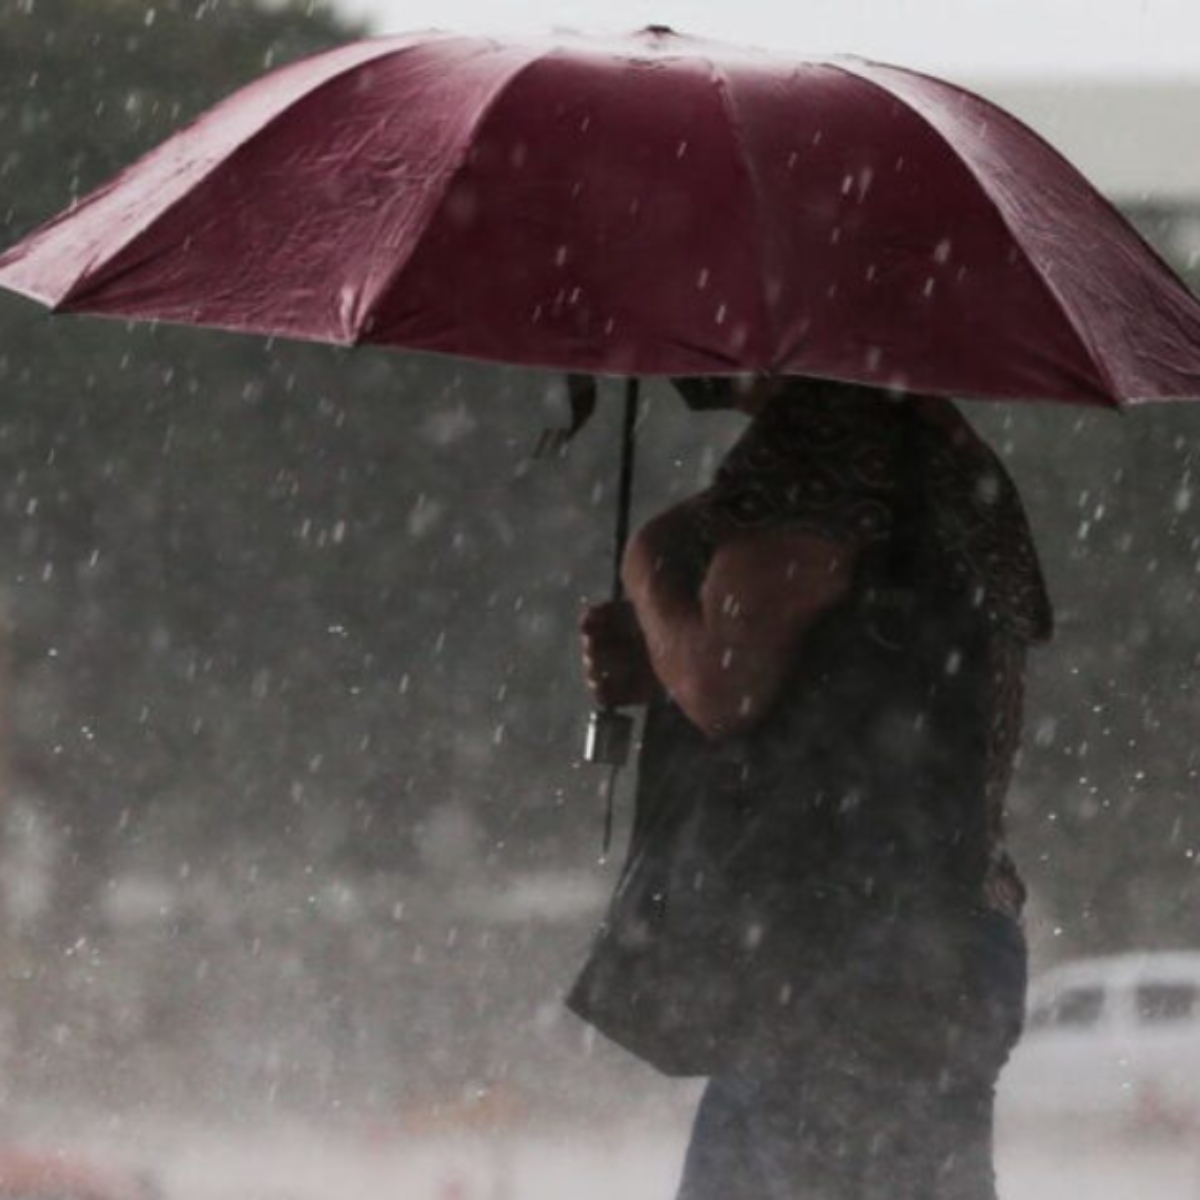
<point x="625" y="482"/>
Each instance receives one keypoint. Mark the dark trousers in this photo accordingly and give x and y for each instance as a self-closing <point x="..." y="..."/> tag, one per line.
<point x="852" y="1116"/>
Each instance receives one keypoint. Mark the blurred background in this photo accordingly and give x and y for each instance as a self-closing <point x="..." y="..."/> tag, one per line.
<point x="295" y="831"/>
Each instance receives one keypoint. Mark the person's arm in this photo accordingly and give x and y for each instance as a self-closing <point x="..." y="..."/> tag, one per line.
<point x="723" y="652"/>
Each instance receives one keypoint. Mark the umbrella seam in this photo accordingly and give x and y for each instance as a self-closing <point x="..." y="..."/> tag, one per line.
<point x="1048" y="288"/>
<point x="85" y="284"/>
<point x="721" y="82"/>
<point x="363" y="333"/>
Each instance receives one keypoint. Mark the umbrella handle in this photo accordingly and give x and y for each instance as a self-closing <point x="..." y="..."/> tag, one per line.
<point x="609" y="737"/>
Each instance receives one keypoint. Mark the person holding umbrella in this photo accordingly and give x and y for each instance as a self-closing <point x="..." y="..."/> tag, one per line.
<point x="818" y="910"/>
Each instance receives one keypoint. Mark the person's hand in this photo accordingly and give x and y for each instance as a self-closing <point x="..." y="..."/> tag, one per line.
<point x="616" y="667"/>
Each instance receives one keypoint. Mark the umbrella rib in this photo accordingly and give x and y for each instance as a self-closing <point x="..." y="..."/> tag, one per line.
<point x="1109" y="388"/>
<point x="721" y="83"/>
<point x="1173" y="278"/>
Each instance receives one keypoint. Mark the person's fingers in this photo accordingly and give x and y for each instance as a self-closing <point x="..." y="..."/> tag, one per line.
<point x="608" y="616"/>
<point x="595" y="644"/>
<point x="596" y="616"/>
<point x="602" y="693"/>
<point x="590" y="654"/>
<point x="594" y="671"/>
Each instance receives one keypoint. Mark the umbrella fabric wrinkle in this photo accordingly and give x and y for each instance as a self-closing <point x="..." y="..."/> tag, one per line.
<point x="1171" y="357"/>
<point x="716" y="364"/>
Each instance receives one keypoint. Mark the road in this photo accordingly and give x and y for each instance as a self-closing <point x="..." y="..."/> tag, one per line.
<point x="306" y="1165"/>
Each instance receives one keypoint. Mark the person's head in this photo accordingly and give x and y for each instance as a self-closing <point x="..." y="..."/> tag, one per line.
<point x="746" y="393"/>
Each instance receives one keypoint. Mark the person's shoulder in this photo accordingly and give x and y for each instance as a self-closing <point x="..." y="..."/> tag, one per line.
<point x="819" y="456"/>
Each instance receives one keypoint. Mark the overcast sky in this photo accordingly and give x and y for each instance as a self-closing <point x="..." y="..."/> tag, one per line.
<point x="1156" y="38"/>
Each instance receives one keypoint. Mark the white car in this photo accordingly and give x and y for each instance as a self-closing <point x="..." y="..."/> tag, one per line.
<point x="1112" y="1043"/>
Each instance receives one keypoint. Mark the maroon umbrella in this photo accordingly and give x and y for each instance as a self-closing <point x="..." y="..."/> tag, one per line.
<point x="652" y="205"/>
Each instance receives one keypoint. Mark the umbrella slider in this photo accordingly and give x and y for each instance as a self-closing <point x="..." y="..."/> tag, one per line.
<point x="609" y="737"/>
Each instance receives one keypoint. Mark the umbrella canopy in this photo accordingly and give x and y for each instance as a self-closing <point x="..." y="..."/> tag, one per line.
<point x="651" y="205"/>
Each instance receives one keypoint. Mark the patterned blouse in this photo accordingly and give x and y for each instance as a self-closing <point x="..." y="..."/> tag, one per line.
<point x="832" y="458"/>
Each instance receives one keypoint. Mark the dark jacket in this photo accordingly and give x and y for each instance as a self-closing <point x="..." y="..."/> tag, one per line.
<point x="834" y="859"/>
